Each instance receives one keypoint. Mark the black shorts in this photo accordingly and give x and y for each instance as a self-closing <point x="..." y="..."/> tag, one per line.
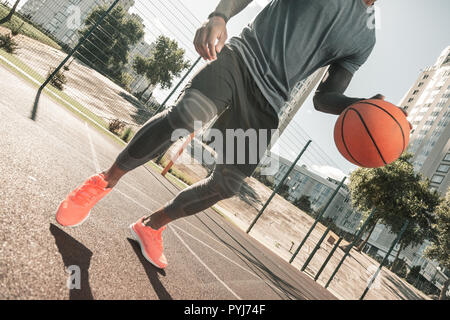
<point x="228" y="83"/>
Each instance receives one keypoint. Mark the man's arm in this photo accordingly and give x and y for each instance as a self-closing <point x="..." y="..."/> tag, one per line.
<point x="230" y="8"/>
<point x="329" y="97"/>
<point x="215" y="30"/>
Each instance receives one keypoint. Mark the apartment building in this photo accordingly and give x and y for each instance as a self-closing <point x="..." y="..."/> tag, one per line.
<point x="428" y="105"/>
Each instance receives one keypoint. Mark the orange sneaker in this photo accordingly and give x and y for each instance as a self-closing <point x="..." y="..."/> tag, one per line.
<point x="151" y="243"/>
<point x="78" y="205"/>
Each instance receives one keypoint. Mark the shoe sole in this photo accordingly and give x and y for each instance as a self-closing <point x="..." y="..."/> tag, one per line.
<point x="136" y="237"/>
<point x="78" y="224"/>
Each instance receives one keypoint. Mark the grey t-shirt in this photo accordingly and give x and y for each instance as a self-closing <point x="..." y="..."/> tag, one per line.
<point x="290" y="39"/>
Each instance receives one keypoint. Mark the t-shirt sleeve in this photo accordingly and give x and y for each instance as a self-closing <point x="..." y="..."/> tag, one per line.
<point x="353" y="62"/>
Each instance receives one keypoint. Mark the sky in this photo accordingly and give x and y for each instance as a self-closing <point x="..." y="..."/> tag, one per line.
<point x="410" y="36"/>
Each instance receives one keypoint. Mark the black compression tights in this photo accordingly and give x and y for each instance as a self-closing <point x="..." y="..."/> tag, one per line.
<point x="155" y="137"/>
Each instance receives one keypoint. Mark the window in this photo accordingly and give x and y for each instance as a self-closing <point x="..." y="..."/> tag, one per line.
<point x="447" y="157"/>
<point x="437" y="179"/>
<point x="410" y="100"/>
<point x="420" y="84"/>
<point x="426" y="76"/>
<point x="415" y="92"/>
<point x="443" y="168"/>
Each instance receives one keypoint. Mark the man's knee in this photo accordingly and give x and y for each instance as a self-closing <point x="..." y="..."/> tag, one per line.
<point x="192" y="106"/>
<point x="228" y="181"/>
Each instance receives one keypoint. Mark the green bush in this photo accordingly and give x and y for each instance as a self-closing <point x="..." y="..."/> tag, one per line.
<point x="116" y="126"/>
<point x="7" y="43"/>
<point x="58" y="80"/>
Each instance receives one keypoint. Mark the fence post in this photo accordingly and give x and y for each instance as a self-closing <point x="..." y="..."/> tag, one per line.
<point x="328" y="258"/>
<point x="80" y="43"/>
<point x="397" y="239"/>
<point x="316" y="248"/>
<point x="278" y="186"/>
<point x="317" y="219"/>
<point x="347" y="252"/>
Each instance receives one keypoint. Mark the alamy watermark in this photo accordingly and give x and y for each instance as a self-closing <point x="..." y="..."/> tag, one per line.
<point x="74" y="279"/>
<point x="374" y="20"/>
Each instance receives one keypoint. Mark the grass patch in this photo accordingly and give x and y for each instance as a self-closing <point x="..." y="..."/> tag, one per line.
<point x="25" y="28"/>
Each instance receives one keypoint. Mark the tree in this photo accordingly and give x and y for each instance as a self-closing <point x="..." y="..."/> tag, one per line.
<point x="439" y="250"/>
<point x="284" y="191"/>
<point x="396" y="193"/>
<point x="303" y="203"/>
<point x="419" y="210"/>
<point x="10" y="14"/>
<point x="108" y="47"/>
<point x="165" y="62"/>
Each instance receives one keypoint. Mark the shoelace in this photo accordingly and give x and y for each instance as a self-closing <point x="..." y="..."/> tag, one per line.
<point x="85" y="194"/>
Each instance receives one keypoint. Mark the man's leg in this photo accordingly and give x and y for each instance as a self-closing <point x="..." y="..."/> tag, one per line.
<point x="208" y="94"/>
<point x="223" y="183"/>
<point x="155" y="137"/>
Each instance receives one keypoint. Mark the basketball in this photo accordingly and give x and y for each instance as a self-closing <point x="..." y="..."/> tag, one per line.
<point x="372" y="133"/>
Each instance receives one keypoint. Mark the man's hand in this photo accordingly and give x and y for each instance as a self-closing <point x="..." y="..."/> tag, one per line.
<point x="210" y="38"/>
<point x="381" y="97"/>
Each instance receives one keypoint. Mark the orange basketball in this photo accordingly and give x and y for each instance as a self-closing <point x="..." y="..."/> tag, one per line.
<point x="372" y="133"/>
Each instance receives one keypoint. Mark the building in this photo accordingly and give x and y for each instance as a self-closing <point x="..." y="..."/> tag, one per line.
<point x="304" y="182"/>
<point x="299" y="95"/>
<point x="63" y="19"/>
<point x="429" y="112"/>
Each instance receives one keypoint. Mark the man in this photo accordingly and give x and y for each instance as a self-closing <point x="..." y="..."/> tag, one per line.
<point x="247" y="82"/>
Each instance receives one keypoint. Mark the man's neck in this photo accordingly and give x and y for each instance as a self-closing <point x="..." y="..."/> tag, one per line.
<point x="369" y="2"/>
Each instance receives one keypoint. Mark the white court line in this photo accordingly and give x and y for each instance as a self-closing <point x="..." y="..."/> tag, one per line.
<point x="144" y="194"/>
<point x="211" y="248"/>
<point x="94" y="155"/>
<point x="203" y="263"/>
<point x="212" y="238"/>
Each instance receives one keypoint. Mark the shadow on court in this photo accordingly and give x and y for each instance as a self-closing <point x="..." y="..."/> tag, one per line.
<point x="74" y="253"/>
<point x="152" y="272"/>
<point x="252" y="262"/>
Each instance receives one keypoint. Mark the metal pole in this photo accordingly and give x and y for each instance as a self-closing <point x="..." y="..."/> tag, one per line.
<point x="405" y="225"/>
<point x="316" y="248"/>
<point x="278" y="186"/>
<point x="347" y="252"/>
<point x="328" y="258"/>
<point x="80" y="43"/>
<point x="161" y="107"/>
<point x="317" y="219"/>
